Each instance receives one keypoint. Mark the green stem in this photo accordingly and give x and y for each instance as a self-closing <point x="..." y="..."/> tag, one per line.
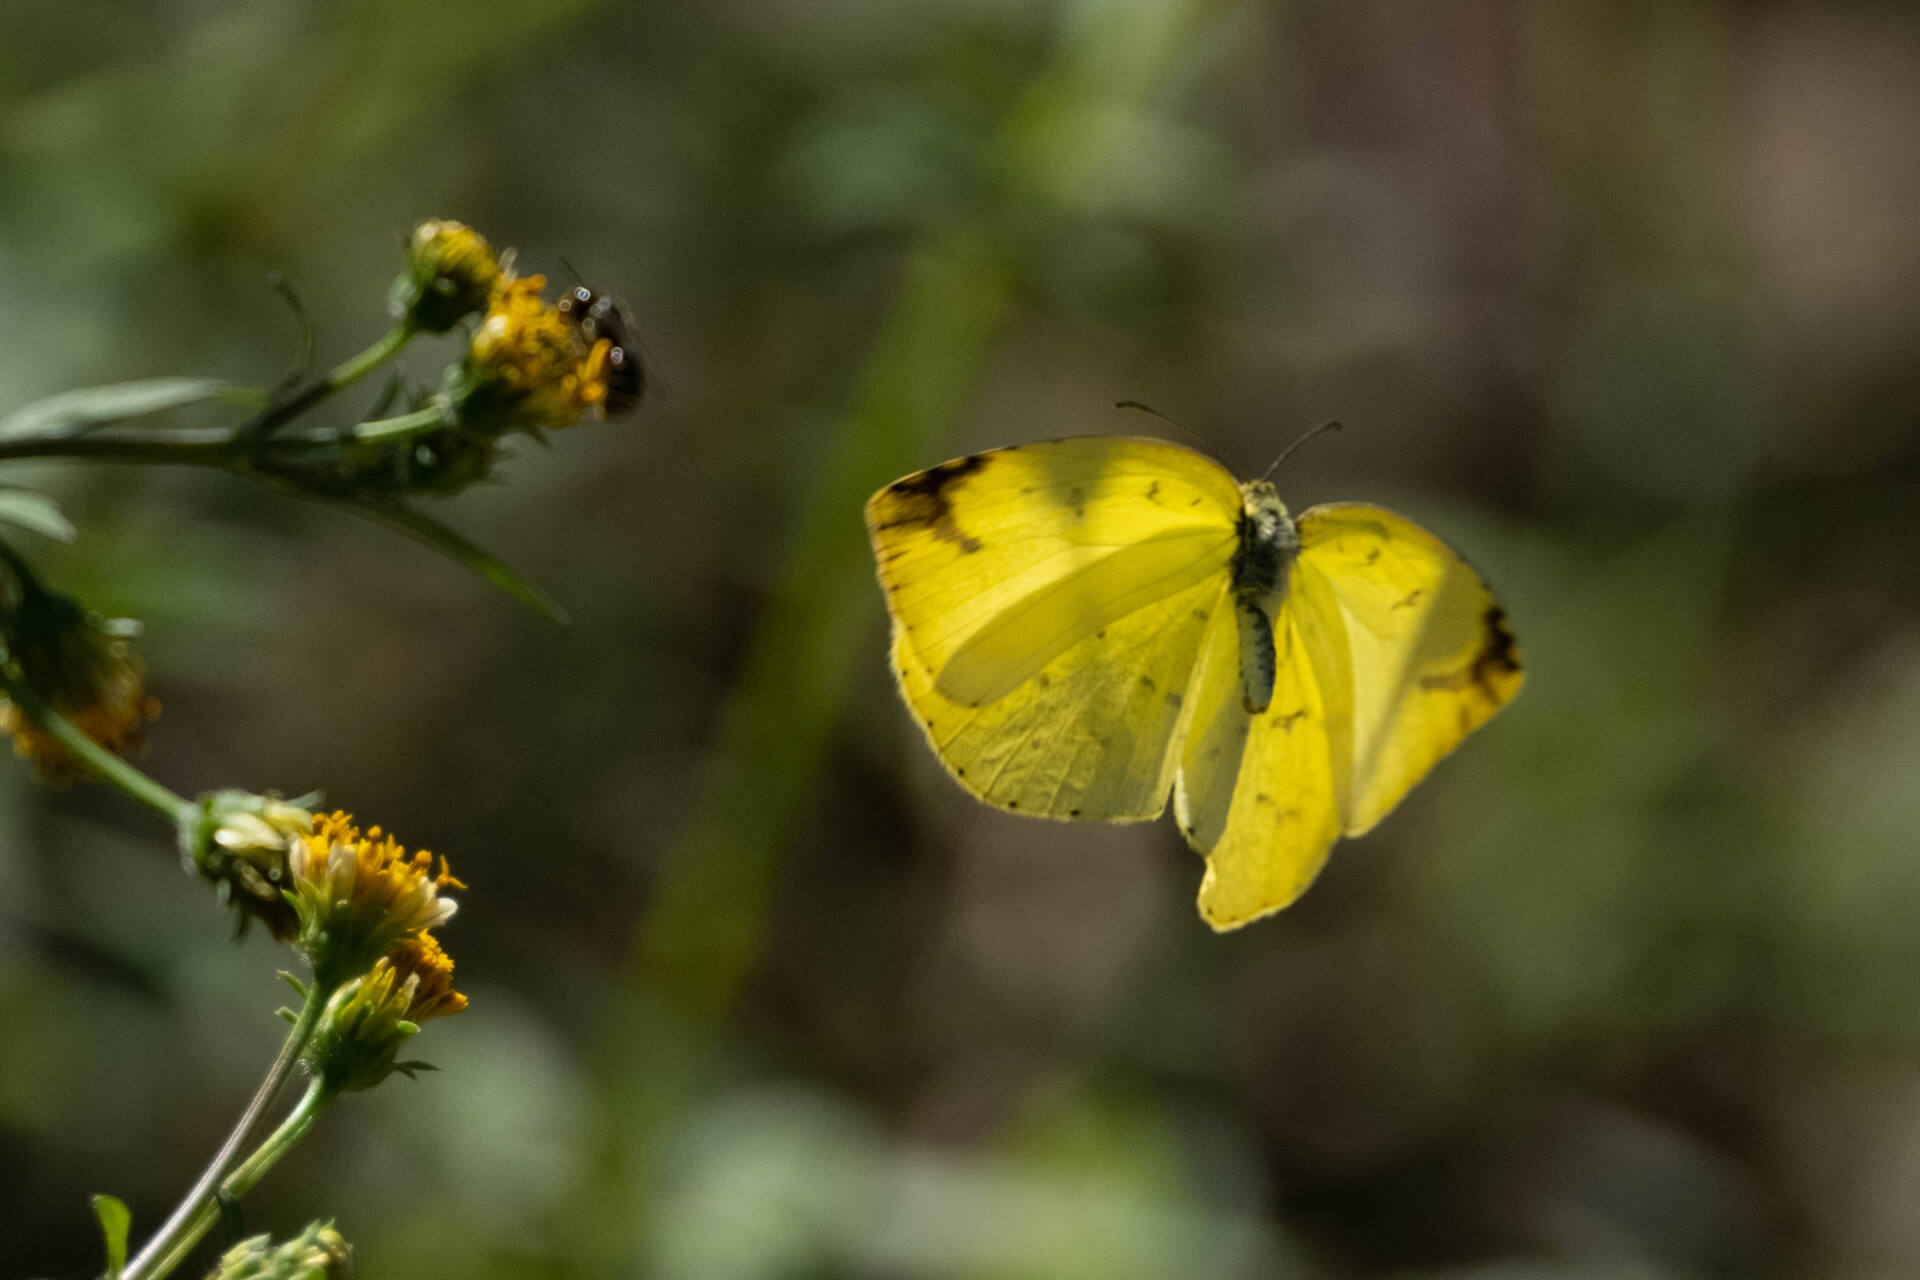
<point x="340" y="377"/>
<point x="112" y="769"/>
<point x="313" y="1104"/>
<point x="230" y="450"/>
<point x="200" y="1207"/>
<point x="203" y="448"/>
<point x="425" y="419"/>
<point x="223" y="448"/>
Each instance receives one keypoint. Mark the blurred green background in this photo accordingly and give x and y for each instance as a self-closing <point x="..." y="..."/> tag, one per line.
<point x="1622" y="299"/>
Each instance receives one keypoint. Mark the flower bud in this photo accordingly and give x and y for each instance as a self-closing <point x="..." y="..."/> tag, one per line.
<point x="357" y="1041"/>
<point x="318" y="1253"/>
<point x="452" y="273"/>
<point x="448" y="460"/>
<point x="241" y="842"/>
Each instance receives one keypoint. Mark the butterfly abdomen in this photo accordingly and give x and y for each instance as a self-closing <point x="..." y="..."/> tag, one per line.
<point x="1268" y="545"/>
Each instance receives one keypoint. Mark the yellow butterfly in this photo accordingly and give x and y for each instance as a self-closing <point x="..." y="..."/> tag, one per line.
<point x="1082" y="625"/>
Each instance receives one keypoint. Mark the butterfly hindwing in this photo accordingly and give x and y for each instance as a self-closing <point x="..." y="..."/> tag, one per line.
<point x="1255" y="794"/>
<point x="1091" y="734"/>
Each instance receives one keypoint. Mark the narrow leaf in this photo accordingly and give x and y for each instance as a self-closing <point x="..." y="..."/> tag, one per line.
<point x="430" y="533"/>
<point x="115" y="1221"/>
<point x="74" y="413"/>
<point x="34" y="511"/>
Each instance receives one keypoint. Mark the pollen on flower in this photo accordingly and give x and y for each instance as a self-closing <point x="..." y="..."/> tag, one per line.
<point x="357" y="895"/>
<point x="528" y="367"/>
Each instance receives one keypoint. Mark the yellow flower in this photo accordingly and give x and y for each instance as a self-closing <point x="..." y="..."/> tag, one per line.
<point x="318" y="1253"/>
<point x="528" y="367"/>
<point x="241" y="842"/>
<point x="82" y="667"/>
<point x="426" y="977"/>
<point x="452" y="272"/>
<point x="358" y="895"/>
<point x="358" y="1039"/>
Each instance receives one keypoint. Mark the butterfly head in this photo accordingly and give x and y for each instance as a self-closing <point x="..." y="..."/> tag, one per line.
<point x="1264" y="518"/>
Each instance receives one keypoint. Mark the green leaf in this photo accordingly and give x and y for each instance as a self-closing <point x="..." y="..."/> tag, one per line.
<point x="73" y="413"/>
<point x="427" y="531"/>
<point x="34" y="511"/>
<point x="115" y="1221"/>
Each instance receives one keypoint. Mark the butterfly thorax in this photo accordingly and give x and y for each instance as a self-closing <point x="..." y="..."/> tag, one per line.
<point x="1268" y="544"/>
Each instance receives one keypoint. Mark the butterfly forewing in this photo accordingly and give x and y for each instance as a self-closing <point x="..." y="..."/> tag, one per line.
<point x="1010" y="550"/>
<point x="1427" y="655"/>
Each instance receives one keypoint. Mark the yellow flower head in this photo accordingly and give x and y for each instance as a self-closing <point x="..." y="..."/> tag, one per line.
<point x="318" y="1253"/>
<point x="358" y="1039"/>
<point x="452" y="272"/>
<point x="425" y="973"/>
<point x="81" y="666"/>
<point x="358" y="895"/>
<point x="241" y="842"/>
<point x="528" y="367"/>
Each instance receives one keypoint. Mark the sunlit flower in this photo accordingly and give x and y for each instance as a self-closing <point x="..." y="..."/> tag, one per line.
<point x="242" y="843"/>
<point x="452" y="273"/>
<point x="528" y="367"/>
<point x="318" y="1253"/>
<point x="81" y="666"/>
<point x="358" y="1039"/>
<point x="425" y="972"/>
<point x="358" y="895"/>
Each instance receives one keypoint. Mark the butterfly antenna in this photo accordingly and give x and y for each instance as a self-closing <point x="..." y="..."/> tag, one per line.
<point x="572" y="275"/>
<point x="1144" y="407"/>
<point x="1287" y="452"/>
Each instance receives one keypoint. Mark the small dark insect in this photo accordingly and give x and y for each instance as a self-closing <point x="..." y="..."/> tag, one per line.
<point x="599" y="316"/>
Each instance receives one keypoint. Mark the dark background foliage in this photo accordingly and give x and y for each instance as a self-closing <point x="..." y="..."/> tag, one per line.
<point x="1621" y="298"/>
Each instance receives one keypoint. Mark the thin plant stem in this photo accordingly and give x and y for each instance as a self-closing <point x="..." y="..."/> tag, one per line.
<point x="200" y="1206"/>
<point x="339" y="378"/>
<point x="197" y="448"/>
<point x="228" y="448"/>
<point x="175" y="808"/>
<point x="424" y="419"/>
<point x="213" y="448"/>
